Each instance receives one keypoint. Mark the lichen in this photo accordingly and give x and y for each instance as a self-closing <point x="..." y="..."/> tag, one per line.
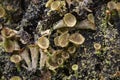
<point x="59" y="40"/>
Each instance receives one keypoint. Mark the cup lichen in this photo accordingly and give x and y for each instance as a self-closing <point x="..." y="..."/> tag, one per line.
<point x="55" y="5"/>
<point x="15" y="58"/>
<point x="8" y="33"/>
<point x="34" y="51"/>
<point x="8" y="45"/>
<point x="91" y="18"/>
<point x="63" y="39"/>
<point x="2" y="12"/>
<point x="76" y="38"/>
<point x="71" y="49"/>
<point x="70" y="20"/>
<point x="65" y="55"/>
<point x="97" y="46"/>
<point x="43" y="42"/>
<point x="15" y="78"/>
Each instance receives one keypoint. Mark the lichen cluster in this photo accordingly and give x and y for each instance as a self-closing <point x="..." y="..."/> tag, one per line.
<point x="59" y="40"/>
